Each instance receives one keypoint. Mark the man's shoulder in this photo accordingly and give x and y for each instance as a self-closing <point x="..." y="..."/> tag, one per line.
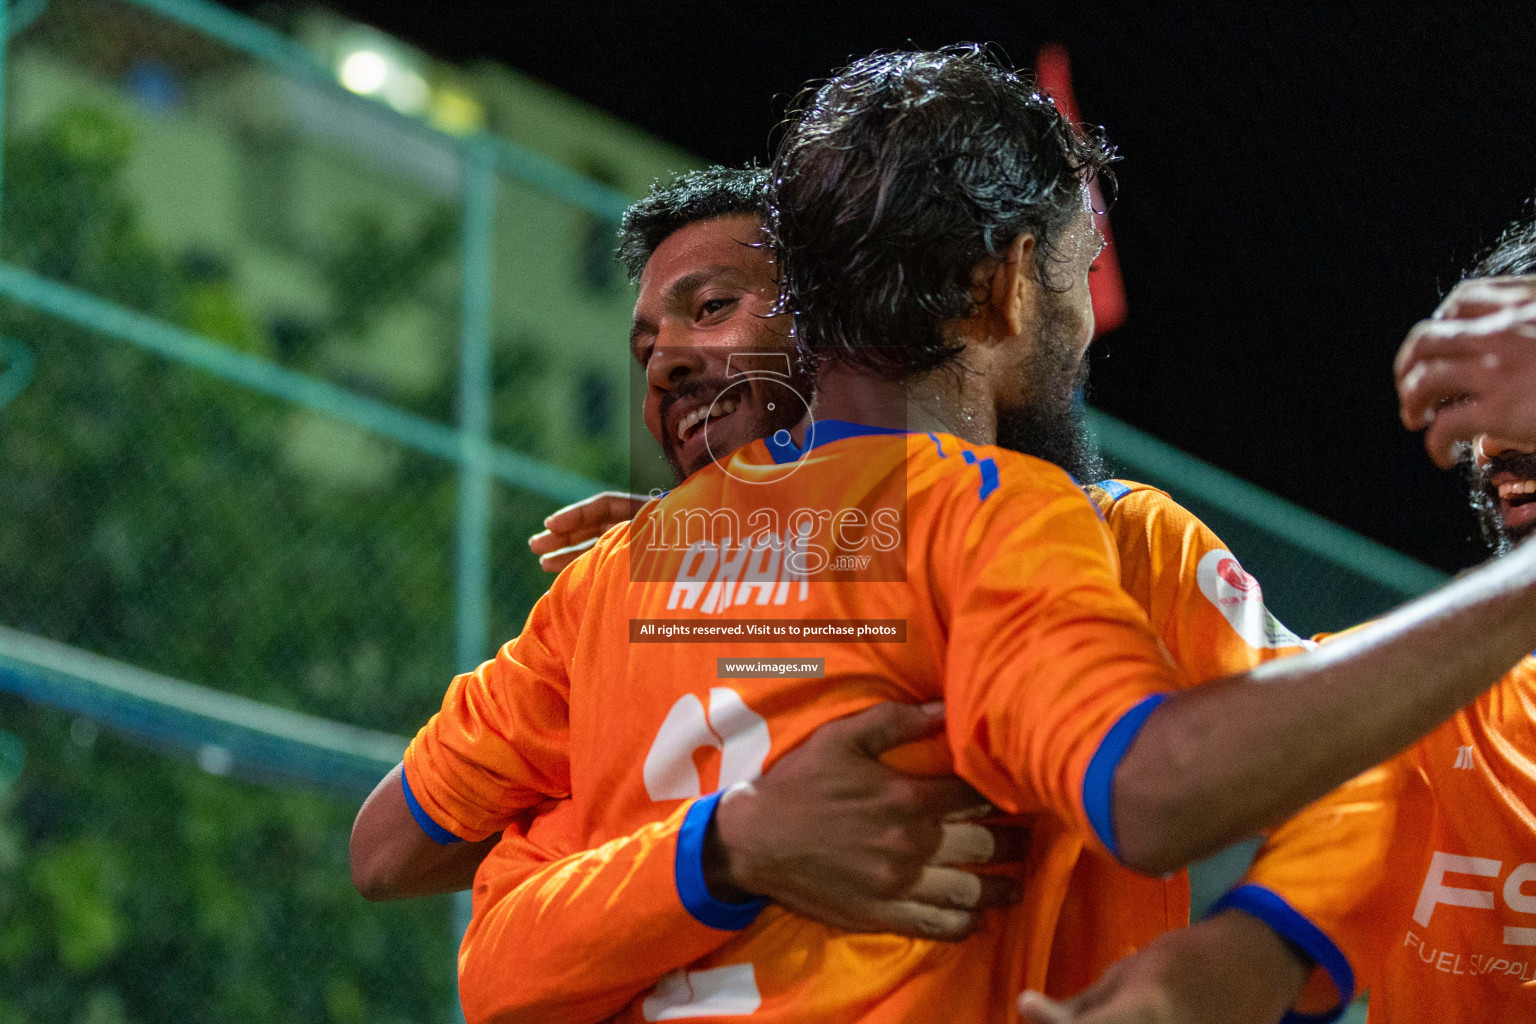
<point x="960" y="464"/>
<point x="1141" y="514"/>
<point x="1132" y="500"/>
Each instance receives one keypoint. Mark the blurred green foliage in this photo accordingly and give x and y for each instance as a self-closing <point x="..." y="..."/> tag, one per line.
<point x="373" y="266"/>
<point x="167" y="519"/>
<point x="134" y="887"/>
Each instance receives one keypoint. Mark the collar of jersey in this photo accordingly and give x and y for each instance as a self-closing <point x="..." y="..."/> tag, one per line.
<point x="822" y="432"/>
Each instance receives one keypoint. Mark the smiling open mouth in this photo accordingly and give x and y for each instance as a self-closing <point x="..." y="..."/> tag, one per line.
<point x="690" y="424"/>
<point x="1515" y="493"/>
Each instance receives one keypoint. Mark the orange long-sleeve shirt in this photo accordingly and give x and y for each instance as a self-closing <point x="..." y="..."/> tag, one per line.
<point x="1004" y="581"/>
<point x="555" y="919"/>
<point x="1417" y="880"/>
<point x="1210" y="616"/>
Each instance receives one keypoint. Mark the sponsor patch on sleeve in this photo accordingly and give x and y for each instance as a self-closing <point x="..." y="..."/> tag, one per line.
<point x="1240" y="599"/>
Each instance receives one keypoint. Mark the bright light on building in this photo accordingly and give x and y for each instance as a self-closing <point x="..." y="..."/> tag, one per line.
<point x="406" y="91"/>
<point x="364" y="72"/>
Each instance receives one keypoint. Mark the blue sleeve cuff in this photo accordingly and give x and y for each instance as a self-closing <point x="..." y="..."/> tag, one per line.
<point x="1267" y="906"/>
<point x="689" y="872"/>
<point x="434" y="831"/>
<point x="1099" y="780"/>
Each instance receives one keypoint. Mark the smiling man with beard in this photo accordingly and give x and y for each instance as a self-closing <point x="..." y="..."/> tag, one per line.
<point x="1501" y="479"/>
<point x="1038" y="653"/>
<point x="705" y="321"/>
<point x="707" y="294"/>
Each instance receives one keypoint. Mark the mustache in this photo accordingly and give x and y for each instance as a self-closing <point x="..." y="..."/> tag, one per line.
<point x="1484" y="496"/>
<point x="691" y="387"/>
<point x="1520" y="464"/>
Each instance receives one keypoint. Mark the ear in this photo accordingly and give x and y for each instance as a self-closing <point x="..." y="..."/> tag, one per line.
<point x="1013" y="292"/>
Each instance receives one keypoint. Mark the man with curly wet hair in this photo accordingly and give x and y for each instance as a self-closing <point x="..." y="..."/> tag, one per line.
<point x="898" y="180"/>
<point x="1058" y="696"/>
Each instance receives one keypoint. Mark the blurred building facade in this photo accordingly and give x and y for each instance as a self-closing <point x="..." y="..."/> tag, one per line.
<point x="321" y="234"/>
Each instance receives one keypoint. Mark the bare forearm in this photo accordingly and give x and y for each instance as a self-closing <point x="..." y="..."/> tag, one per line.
<point x="1248" y="972"/>
<point x="1218" y="763"/>
<point x="428" y="872"/>
<point x="1230" y="969"/>
<point x="393" y="859"/>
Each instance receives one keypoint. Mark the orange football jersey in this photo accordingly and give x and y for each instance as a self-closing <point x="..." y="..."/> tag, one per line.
<point x="999" y="586"/>
<point x="1417" y="880"/>
<point x="555" y="913"/>
<point x="1210" y="614"/>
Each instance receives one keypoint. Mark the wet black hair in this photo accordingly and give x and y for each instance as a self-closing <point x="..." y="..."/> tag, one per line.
<point x="687" y="199"/>
<point x="1513" y="253"/>
<point x="896" y="178"/>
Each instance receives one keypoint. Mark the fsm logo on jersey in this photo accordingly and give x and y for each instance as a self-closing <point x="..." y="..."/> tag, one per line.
<point x="1435" y="892"/>
<point x="1240" y="599"/>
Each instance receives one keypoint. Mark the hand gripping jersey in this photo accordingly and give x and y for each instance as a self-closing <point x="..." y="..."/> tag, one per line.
<point x="555" y="912"/>
<point x="1417" y="880"/>
<point x="1001" y="583"/>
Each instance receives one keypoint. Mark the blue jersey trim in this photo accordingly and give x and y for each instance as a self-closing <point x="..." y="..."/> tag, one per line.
<point x="1269" y="907"/>
<point x="819" y="433"/>
<point x="1114" y="488"/>
<point x="1099" y="779"/>
<point x="824" y="432"/>
<point x="989" y="475"/>
<point x="434" y="831"/>
<point x="689" y="873"/>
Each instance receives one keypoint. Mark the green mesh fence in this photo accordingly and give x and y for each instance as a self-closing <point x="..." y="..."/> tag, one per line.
<point x="265" y="375"/>
<point x="1317" y="576"/>
<point x="286" y="381"/>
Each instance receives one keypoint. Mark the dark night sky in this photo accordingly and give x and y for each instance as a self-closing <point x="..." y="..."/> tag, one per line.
<point x="1299" y="186"/>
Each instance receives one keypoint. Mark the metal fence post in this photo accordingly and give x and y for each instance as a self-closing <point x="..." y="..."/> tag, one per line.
<point x="473" y="542"/>
<point x="5" y="38"/>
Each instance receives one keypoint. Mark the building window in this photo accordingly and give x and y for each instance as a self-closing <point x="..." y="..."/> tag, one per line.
<point x="595" y="404"/>
<point x="599" y="268"/>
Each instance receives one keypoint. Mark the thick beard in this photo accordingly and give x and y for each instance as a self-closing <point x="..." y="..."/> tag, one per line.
<point x="1052" y="425"/>
<point x="1485" y="499"/>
